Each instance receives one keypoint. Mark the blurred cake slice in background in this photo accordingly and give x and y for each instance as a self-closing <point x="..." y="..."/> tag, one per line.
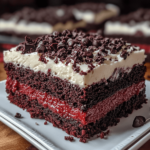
<point x="32" y="22"/>
<point x="134" y="27"/>
<point x="94" y="15"/>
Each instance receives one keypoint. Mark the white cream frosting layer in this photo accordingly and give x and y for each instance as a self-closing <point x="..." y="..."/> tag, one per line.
<point x="127" y="29"/>
<point x="89" y="16"/>
<point x="103" y="71"/>
<point x="23" y="27"/>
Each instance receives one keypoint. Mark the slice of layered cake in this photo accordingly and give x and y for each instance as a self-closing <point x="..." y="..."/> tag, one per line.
<point x="133" y="27"/>
<point x="37" y="22"/>
<point x="81" y="83"/>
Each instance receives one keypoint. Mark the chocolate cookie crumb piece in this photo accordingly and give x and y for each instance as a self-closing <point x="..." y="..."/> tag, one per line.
<point x="45" y="122"/>
<point x="31" y="148"/>
<point x="83" y="140"/>
<point x="102" y="135"/>
<point x="124" y="54"/>
<point x="69" y="138"/>
<point x="36" y="123"/>
<point x="18" y="115"/>
<point x="138" y="121"/>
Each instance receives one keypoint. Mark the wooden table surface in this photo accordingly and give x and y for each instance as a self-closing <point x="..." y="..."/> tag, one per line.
<point x="10" y="140"/>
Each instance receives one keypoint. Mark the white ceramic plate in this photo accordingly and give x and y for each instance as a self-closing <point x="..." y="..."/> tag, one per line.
<point x="47" y="137"/>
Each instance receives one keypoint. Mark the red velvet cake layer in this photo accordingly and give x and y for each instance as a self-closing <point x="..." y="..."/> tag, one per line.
<point x="64" y="110"/>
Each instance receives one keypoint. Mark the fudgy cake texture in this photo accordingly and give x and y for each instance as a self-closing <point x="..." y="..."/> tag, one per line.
<point x="81" y="82"/>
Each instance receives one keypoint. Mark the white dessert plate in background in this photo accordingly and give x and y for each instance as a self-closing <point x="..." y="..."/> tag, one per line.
<point x="47" y="137"/>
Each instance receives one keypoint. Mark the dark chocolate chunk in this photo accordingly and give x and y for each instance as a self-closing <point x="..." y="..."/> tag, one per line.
<point x="102" y="135"/>
<point x="83" y="140"/>
<point x="18" y="115"/>
<point x="77" y="68"/>
<point x="21" y="47"/>
<point x="70" y="42"/>
<point x="96" y="43"/>
<point x="83" y="73"/>
<point x="124" y="54"/>
<point x="85" y="41"/>
<point x="56" y="33"/>
<point x="69" y="138"/>
<point x="138" y="121"/>
<point x="61" y="44"/>
<point x="50" y="40"/>
<point x="74" y="33"/>
<point x="29" y="41"/>
<point x="40" y="48"/>
<point x="45" y="123"/>
<point x="61" y="53"/>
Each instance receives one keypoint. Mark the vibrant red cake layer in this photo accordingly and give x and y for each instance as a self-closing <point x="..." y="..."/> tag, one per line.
<point x="64" y="110"/>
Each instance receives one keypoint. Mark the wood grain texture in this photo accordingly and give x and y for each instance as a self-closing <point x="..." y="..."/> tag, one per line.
<point x="2" y="72"/>
<point x="10" y="140"/>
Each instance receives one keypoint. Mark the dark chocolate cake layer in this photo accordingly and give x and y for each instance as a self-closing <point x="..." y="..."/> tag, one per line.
<point x="83" y="98"/>
<point x="73" y="127"/>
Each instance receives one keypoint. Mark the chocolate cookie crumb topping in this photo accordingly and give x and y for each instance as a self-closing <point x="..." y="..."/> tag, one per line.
<point x="76" y="47"/>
